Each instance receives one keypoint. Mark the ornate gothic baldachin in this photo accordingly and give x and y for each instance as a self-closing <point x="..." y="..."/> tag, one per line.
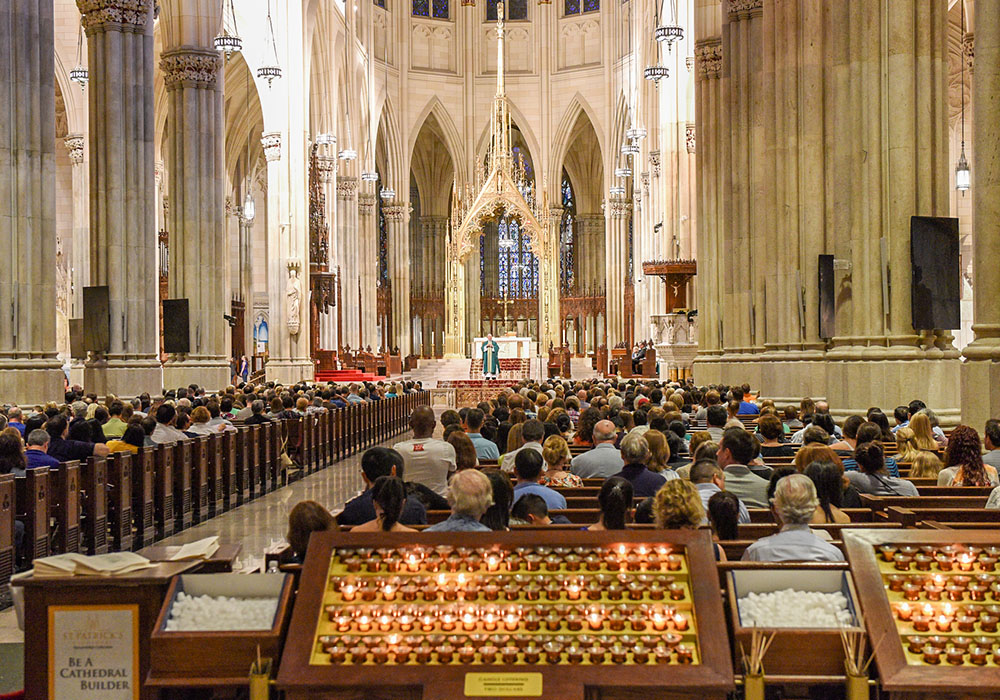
<point x="271" y="143"/>
<point x="197" y="69"/>
<point x="127" y="13"/>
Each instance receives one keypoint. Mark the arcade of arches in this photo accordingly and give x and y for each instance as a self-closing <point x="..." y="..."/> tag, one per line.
<point x="309" y="213"/>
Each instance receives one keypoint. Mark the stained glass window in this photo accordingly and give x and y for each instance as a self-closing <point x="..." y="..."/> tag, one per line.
<point x="441" y="9"/>
<point x="518" y="267"/>
<point x="380" y="3"/>
<point x="383" y="244"/>
<point x="516" y="9"/>
<point x="491" y="10"/>
<point x="572" y="7"/>
<point x="591" y="5"/>
<point x="421" y="8"/>
<point x="566" y="271"/>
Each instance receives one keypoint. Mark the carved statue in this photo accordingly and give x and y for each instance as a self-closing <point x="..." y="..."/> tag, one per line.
<point x="671" y="332"/>
<point x="293" y="301"/>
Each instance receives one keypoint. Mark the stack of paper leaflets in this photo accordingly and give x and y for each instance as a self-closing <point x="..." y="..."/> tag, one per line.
<point x="202" y="549"/>
<point x="114" y="564"/>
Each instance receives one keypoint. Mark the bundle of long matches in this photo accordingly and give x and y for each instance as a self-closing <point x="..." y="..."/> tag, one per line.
<point x="854" y="652"/>
<point x="753" y="665"/>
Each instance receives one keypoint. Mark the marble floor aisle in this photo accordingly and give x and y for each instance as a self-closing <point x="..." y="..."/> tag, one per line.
<point x="259" y="523"/>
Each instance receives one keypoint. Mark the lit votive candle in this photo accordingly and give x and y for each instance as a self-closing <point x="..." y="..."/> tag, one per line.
<point x="348" y="592"/>
<point x="674" y="562"/>
<point x="676" y="591"/>
<point x="966" y="561"/>
<point x="405" y="623"/>
<point x="573" y="591"/>
<point x="468" y="622"/>
<point x="915" y="645"/>
<point x="680" y="622"/>
<point x="445" y="652"/>
<point x="659" y="622"/>
<point x="448" y="621"/>
<point x="364" y="623"/>
<point x="887" y="552"/>
<point x="510" y="621"/>
<point x="904" y="611"/>
<point x="492" y="562"/>
<point x="902" y="561"/>
<point x="977" y="655"/>
<point x="943" y="624"/>
<point x="988" y="623"/>
<point x="594" y="621"/>
<point x="490" y="622"/>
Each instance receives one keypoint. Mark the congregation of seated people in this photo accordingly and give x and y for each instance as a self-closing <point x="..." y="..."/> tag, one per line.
<point x="668" y="456"/>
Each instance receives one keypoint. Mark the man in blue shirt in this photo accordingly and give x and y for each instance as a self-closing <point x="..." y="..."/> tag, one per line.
<point x="485" y="449"/>
<point x="747" y="406"/>
<point x="35" y="452"/>
<point x="528" y="470"/>
<point x="376" y="462"/>
<point x="353" y="397"/>
<point x="14" y="419"/>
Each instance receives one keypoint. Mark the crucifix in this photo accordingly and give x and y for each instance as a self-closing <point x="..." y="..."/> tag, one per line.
<point x="505" y="303"/>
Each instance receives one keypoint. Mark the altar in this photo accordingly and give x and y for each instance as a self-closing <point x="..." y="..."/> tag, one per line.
<point x="510" y="347"/>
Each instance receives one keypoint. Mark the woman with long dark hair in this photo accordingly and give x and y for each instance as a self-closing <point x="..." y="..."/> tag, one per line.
<point x="388" y="497"/>
<point x="829" y="482"/>
<point x="615" y="499"/>
<point x="12" y="454"/>
<point x="872" y="476"/>
<point x="585" y="430"/>
<point x="963" y="461"/>
<point x="497" y="516"/>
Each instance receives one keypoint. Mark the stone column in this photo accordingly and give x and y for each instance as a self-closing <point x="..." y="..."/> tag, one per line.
<point x="548" y="285"/>
<point x="122" y="209"/>
<point x="616" y="211"/>
<point x="29" y="369"/>
<point x="397" y="216"/>
<point x="195" y="167"/>
<point x="367" y="261"/>
<point x="981" y="371"/>
<point x="81" y="230"/>
<point x="347" y="240"/>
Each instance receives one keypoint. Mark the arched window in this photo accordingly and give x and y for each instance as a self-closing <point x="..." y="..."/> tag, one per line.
<point x="566" y="267"/>
<point x="518" y="267"/>
<point x="438" y="9"/>
<point x="573" y="7"/>
<point x="514" y="9"/>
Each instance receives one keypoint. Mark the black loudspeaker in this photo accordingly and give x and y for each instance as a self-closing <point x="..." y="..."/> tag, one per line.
<point x="97" y="319"/>
<point x="936" y="283"/>
<point x="176" y="333"/>
<point x="827" y="301"/>
<point x="77" y="343"/>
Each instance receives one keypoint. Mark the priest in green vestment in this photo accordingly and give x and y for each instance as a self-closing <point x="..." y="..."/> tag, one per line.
<point x="491" y="358"/>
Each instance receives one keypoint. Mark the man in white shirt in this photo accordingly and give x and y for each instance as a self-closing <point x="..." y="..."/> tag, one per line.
<point x="604" y="460"/>
<point x="533" y="433"/>
<point x="426" y="460"/>
<point x="795" y="502"/>
<point x="709" y="479"/>
<point x="166" y="416"/>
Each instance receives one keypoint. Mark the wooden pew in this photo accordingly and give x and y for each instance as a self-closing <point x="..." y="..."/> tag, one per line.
<point x="64" y="507"/>
<point x="274" y="457"/>
<point x="255" y="460"/>
<point x="7" y="516"/>
<point x="199" y="479"/>
<point x="857" y="515"/>
<point x="881" y="503"/>
<point x="217" y="497"/>
<point x="32" y="503"/>
<point x="143" y="497"/>
<point x="120" y="501"/>
<point x="183" y="500"/>
<point x="94" y="482"/>
<point x="164" y="512"/>
<point x="231" y="462"/>
<point x="915" y="515"/>
<point x="268" y="432"/>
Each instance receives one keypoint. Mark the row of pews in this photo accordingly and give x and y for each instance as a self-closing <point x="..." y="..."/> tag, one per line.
<point x="125" y="501"/>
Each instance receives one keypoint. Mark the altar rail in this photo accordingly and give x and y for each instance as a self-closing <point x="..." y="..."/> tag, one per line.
<point x="126" y="502"/>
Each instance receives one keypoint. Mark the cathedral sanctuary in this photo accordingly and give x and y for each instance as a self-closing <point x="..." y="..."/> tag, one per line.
<point x="437" y="349"/>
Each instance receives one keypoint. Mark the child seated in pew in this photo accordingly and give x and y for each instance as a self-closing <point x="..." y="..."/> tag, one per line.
<point x="306" y="518"/>
<point x="530" y="509"/>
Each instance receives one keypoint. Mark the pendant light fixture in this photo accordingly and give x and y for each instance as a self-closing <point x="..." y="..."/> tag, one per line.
<point x="270" y="72"/>
<point x="963" y="178"/>
<point x="80" y="74"/>
<point x="226" y="42"/>
<point x="249" y="209"/>
<point x="387" y="193"/>
<point x="669" y="32"/>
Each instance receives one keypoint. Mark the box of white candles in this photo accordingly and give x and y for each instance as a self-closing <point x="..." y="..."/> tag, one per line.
<point x="805" y="607"/>
<point x="211" y="627"/>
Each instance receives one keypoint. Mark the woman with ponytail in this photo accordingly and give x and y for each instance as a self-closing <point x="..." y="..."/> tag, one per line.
<point x="388" y="497"/>
<point x="615" y="500"/>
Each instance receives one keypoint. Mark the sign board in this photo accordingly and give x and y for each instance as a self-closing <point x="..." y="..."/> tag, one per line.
<point x="94" y="652"/>
<point x="503" y="685"/>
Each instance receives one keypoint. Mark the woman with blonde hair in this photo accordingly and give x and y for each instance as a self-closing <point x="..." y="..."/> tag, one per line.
<point x="926" y="465"/>
<point x="659" y="451"/>
<point x="677" y="506"/>
<point x="555" y="452"/>
<point x="906" y="445"/>
<point x="923" y="435"/>
<point x="514" y="439"/>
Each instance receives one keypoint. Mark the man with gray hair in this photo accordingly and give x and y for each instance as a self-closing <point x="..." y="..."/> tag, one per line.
<point x="36" y="451"/>
<point x="794" y="504"/>
<point x="602" y="461"/>
<point x="470" y="494"/>
<point x="635" y="453"/>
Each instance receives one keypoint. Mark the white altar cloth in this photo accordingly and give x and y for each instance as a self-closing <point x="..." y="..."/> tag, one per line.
<point x="509" y="347"/>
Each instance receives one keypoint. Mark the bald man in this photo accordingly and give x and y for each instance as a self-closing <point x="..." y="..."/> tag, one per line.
<point x="427" y="461"/>
<point x="604" y="460"/>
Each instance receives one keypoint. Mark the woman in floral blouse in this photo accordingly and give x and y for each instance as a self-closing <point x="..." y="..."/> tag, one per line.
<point x="555" y="452"/>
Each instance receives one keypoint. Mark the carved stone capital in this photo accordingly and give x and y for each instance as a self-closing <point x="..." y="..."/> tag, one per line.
<point x="708" y="56"/>
<point x="326" y="167"/>
<point x="74" y="144"/>
<point x="618" y="208"/>
<point x="689" y="139"/>
<point x="127" y="14"/>
<point x="556" y="213"/>
<point x="969" y="50"/>
<point x="738" y="7"/>
<point x="654" y="163"/>
<point x="347" y="187"/>
<point x="194" y="68"/>
<point x="271" y="142"/>
<point x="366" y="204"/>
<point x="395" y="212"/>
